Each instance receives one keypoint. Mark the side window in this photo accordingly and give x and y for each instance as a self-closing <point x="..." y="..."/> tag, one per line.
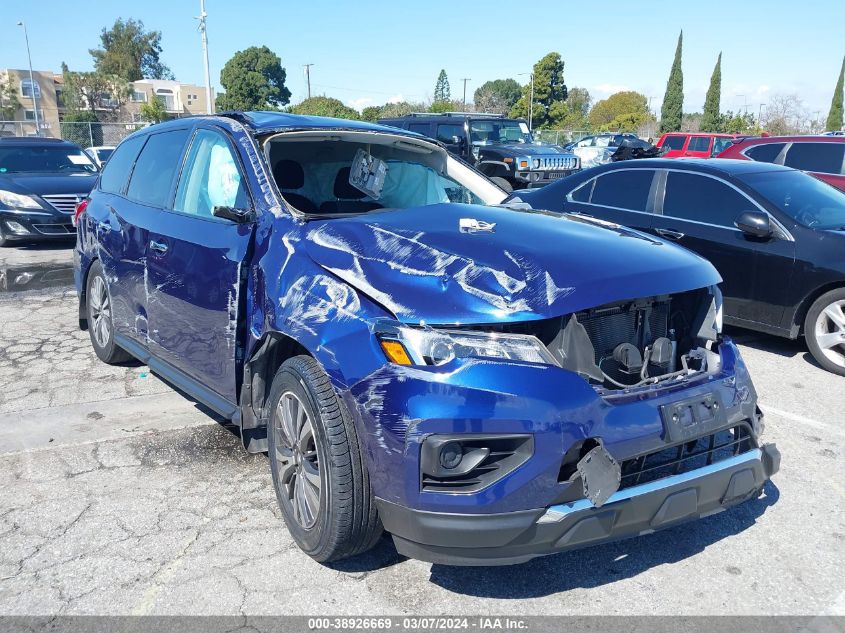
<point x="445" y="132"/>
<point x="211" y="177"/>
<point x="420" y="128"/>
<point x="765" y="152"/>
<point x="156" y="166"/>
<point x="703" y="199"/>
<point x="674" y="142"/>
<point x="116" y="172"/>
<point x="582" y="193"/>
<point x="699" y="144"/>
<point x="625" y="189"/>
<point x="820" y="157"/>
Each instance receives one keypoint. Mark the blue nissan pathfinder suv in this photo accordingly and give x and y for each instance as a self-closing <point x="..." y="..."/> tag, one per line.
<point x="487" y="384"/>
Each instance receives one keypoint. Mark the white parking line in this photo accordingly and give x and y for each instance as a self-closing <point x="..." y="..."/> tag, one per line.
<point x="825" y="426"/>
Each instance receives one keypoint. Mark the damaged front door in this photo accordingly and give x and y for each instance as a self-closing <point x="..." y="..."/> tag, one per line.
<point x="196" y="260"/>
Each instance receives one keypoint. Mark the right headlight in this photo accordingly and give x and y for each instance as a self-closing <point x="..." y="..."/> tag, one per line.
<point x="18" y="201"/>
<point x="405" y="345"/>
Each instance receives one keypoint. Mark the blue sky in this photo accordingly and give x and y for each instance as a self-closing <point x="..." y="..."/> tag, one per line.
<point x="368" y="52"/>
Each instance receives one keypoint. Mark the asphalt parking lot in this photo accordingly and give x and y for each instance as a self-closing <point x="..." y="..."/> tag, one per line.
<point x="119" y="495"/>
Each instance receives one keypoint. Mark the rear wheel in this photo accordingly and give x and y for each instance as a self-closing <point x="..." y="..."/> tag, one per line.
<point x="100" y="323"/>
<point x="321" y="482"/>
<point x="503" y="184"/>
<point x="824" y="330"/>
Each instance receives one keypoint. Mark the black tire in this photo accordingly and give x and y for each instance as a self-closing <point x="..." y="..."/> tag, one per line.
<point x="100" y="324"/>
<point x="834" y="299"/>
<point x="345" y="521"/>
<point x="503" y="184"/>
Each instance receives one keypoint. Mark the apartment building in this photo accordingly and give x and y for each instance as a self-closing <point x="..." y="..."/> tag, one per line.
<point x="179" y="99"/>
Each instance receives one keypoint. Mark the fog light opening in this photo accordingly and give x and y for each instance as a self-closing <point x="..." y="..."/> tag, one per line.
<point x="17" y="228"/>
<point x="451" y="455"/>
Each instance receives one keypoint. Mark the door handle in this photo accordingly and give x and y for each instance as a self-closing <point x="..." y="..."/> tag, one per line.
<point x="158" y="247"/>
<point x="669" y="234"/>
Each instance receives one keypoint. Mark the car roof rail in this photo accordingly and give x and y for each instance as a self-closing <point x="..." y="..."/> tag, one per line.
<point x="491" y="115"/>
<point x="241" y="117"/>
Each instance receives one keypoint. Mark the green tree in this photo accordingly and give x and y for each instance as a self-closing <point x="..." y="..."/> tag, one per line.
<point x="834" y="118"/>
<point x="96" y="92"/>
<point x="130" y="52"/>
<point x="9" y="102"/>
<point x="441" y="88"/>
<point x="401" y="108"/>
<point x="738" y="123"/>
<point x="371" y="113"/>
<point x="497" y="96"/>
<point x="625" y="110"/>
<point x="325" y="106"/>
<point x="445" y="106"/>
<point x="711" y="120"/>
<point x="254" y="79"/>
<point x="153" y="111"/>
<point x="549" y="92"/>
<point x="672" y="111"/>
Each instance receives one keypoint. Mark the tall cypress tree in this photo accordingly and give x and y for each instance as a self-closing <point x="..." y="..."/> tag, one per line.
<point x="673" y="101"/>
<point x="834" y="118"/>
<point x="711" y="121"/>
<point x="441" y="88"/>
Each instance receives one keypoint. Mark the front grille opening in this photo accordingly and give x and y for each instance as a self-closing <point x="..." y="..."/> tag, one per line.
<point x="503" y="455"/>
<point x="688" y="456"/>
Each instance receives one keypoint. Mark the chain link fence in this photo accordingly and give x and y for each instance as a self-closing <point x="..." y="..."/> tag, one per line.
<point x="562" y="137"/>
<point x="84" y="134"/>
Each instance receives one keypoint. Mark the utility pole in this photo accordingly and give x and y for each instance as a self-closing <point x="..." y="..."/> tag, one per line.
<point x="744" y="103"/>
<point x="760" y="114"/>
<point x="465" y="80"/>
<point x="209" y="105"/>
<point x="530" y="101"/>
<point x="307" y="68"/>
<point x="32" y="85"/>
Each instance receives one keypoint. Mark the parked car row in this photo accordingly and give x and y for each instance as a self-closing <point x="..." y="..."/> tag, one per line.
<point x="488" y="384"/>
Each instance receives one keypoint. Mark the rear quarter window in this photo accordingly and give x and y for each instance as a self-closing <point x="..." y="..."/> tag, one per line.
<point x="824" y="158"/>
<point x="674" y="142"/>
<point x="116" y="171"/>
<point x="156" y="167"/>
<point x="765" y="152"/>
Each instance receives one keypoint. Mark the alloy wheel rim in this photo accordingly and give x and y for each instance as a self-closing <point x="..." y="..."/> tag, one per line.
<point x="296" y="454"/>
<point x="830" y="332"/>
<point x="100" y="311"/>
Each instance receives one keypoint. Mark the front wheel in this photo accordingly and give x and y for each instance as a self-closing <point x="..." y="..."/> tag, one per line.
<point x="824" y="329"/>
<point x="321" y="482"/>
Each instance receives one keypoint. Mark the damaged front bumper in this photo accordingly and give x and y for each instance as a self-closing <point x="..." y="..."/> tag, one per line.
<point x="530" y="425"/>
<point x="515" y="537"/>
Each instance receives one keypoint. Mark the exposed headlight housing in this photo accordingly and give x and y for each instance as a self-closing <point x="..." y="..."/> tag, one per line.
<point x="535" y="164"/>
<point x="18" y="201"/>
<point x="405" y="345"/>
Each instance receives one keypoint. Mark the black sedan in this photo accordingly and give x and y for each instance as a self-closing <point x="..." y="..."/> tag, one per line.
<point x="776" y="235"/>
<point x="41" y="181"/>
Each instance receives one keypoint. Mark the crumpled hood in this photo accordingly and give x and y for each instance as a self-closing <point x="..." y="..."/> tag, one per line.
<point x="420" y="266"/>
<point x="46" y="184"/>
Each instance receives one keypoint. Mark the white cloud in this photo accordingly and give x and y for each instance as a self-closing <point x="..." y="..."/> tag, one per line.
<point x="607" y="89"/>
<point x="396" y="98"/>
<point x="360" y="103"/>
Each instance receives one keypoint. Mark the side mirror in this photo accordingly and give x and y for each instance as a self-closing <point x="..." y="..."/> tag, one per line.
<point x="755" y="224"/>
<point x="239" y="216"/>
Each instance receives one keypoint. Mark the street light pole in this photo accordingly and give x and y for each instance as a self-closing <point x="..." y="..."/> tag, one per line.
<point x="32" y="85"/>
<point x="209" y="106"/>
<point x="465" y="80"/>
<point x="308" y="77"/>
<point x="531" y="106"/>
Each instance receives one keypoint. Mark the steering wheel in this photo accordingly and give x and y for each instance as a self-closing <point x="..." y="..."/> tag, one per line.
<point x="805" y="217"/>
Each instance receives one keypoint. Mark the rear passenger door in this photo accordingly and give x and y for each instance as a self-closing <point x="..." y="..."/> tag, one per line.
<point x="623" y="196"/>
<point x="138" y="182"/>
<point x="197" y="268"/>
<point x="698" y="146"/>
<point x="698" y="211"/>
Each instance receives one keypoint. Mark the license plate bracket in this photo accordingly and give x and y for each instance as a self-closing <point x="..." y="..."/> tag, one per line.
<point x="693" y="417"/>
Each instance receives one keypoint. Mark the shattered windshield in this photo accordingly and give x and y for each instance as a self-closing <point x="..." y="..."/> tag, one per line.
<point x="484" y="131"/>
<point x="338" y="178"/>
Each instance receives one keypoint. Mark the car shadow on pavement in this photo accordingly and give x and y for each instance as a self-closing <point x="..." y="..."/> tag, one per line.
<point x="604" y="564"/>
<point x="784" y="347"/>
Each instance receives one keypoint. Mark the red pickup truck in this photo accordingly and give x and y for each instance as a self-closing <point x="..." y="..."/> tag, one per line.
<point x="694" y="144"/>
